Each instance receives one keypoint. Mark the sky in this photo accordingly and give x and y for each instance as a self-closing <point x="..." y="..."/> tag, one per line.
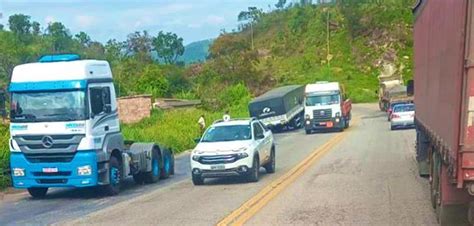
<point x="193" y="20"/>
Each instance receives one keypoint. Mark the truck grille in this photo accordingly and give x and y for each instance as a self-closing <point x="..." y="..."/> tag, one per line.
<point x="61" y="173"/>
<point x="218" y="159"/>
<point x="33" y="144"/>
<point x="322" y="115"/>
<point x="51" y="181"/>
<point x="49" y="158"/>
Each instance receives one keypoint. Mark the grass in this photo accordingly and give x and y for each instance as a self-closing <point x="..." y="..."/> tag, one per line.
<point x="176" y="129"/>
<point x="4" y="155"/>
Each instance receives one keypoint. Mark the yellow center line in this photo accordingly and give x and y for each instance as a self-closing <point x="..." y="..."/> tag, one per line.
<point x="257" y="202"/>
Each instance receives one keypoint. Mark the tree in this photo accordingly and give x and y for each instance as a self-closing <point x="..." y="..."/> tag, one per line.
<point x="83" y="38"/>
<point x="139" y="45"/>
<point x="36" y="28"/>
<point x="168" y="46"/>
<point x="114" y="50"/>
<point x="19" y="24"/>
<point x="59" y="36"/>
<point x="251" y="16"/>
<point x="280" y="4"/>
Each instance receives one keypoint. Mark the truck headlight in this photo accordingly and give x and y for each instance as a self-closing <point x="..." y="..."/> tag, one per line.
<point x="338" y="114"/>
<point x="84" y="170"/>
<point x="307" y="117"/>
<point x="18" y="172"/>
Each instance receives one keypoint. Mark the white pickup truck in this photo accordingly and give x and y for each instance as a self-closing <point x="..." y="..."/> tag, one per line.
<point x="237" y="147"/>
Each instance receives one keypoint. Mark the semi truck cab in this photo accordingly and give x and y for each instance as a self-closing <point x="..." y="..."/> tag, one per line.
<point x="65" y="130"/>
<point x="325" y="107"/>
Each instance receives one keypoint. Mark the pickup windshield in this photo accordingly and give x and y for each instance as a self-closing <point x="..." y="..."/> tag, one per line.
<point x="227" y="133"/>
<point x="48" y="106"/>
<point x="404" y="108"/>
<point x="321" y="100"/>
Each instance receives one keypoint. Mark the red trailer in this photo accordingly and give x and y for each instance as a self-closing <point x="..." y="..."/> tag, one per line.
<point x="444" y="99"/>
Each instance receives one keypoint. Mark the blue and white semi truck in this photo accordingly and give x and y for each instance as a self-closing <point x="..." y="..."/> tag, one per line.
<point x="65" y="130"/>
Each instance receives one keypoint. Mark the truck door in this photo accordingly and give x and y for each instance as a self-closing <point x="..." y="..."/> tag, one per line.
<point x="103" y="112"/>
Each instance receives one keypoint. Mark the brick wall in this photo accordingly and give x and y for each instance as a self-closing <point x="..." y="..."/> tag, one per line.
<point x="134" y="108"/>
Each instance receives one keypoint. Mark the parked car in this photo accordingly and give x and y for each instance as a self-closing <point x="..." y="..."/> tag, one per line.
<point x="403" y="116"/>
<point x="238" y="147"/>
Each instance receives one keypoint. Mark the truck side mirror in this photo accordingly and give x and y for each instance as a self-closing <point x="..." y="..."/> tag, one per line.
<point x="107" y="108"/>
<point x="410" y="88"/>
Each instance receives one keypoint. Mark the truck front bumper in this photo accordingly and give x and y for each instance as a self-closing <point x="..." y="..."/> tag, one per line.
<point x="333" y="123"/>
<point x="54" y="174"/>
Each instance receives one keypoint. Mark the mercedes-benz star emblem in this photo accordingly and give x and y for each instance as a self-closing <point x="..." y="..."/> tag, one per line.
<point x="266" y="110"/>
<point x="47" y="141"/>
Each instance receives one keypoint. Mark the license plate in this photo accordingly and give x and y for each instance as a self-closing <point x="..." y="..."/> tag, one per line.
<point x="217" y="167"/>
<point x="322" y="123"/>
<point x="329" y="124"/>
<point x="50" y="170"/>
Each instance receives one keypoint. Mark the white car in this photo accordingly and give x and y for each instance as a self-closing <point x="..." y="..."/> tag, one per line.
<point x="238" y="147"/>
<point x="402" y="116"/>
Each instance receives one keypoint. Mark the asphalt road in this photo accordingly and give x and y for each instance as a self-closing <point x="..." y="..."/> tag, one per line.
<point x="369" y="178"/>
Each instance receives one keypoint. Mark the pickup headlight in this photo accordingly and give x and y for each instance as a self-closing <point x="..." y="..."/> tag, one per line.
<point x="84" y="170"/>
<point x="242" y="155"/>
<point x="195" y="158"/>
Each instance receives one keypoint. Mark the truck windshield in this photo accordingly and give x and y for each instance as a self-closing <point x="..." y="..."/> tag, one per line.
<point x="321" y="100"/>
<point x="48" y="106"/>
<point x="227" y="133"/>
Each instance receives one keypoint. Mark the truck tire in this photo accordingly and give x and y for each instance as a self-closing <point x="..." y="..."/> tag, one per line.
<point x="38" y="193"/>
<point x="139" y="178"/>
<point x="271" y="166"/>
<point x="308" y="131"/>
<point x="197" y="180"/>
<point x="254" y="173"/>
<point x="166" y="170"/>
<point x="434" y="185"/>
<point x="154" y="175"/>
<point x="115" y="177"/>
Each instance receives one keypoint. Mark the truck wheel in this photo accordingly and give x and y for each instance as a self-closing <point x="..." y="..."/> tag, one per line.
<point x="197" y="180"/>
<point x="139" y="178"/>
<point x="270" y="166"/>
<point x="38" y="193"/>
<point x="154" y="175"/>
<point x="113" y="188"/>
<point x="347" y="122"/>
<point x="166" y="171"/>
<point x="308" y="131"/>
<point x="434" y="181"/>
<point x="254" y="173"/>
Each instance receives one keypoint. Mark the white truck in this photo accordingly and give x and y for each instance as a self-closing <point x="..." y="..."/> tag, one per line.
<point x="326" y="107"/>
<point x="65" y="130"/>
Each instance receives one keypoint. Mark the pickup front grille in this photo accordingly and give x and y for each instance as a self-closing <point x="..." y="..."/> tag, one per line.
<point x="218" y="159"/>
<point x="322" y="115"/>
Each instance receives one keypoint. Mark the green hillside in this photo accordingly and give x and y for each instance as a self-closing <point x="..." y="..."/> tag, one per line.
<point x="196" y="52"/>
<point x="291" y="46"/>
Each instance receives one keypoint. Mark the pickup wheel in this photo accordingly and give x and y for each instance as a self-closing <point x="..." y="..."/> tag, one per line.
<point x="38" y="193"/>
<point x="113" y="188"/>
<point x="254" y="173"/>
<point x="154" y="175"/>
<point x="270" y="166"/>
<point x="167" y="164"/>
<point x="197" y="180"/>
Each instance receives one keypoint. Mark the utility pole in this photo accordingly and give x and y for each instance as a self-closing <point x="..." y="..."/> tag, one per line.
<point x="328" y="56"/>
<point x="251" y="31"/>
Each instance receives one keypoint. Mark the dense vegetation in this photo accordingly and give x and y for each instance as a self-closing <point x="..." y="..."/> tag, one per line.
<point x="346" y="41"/>
<point x="196" y="52"/>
